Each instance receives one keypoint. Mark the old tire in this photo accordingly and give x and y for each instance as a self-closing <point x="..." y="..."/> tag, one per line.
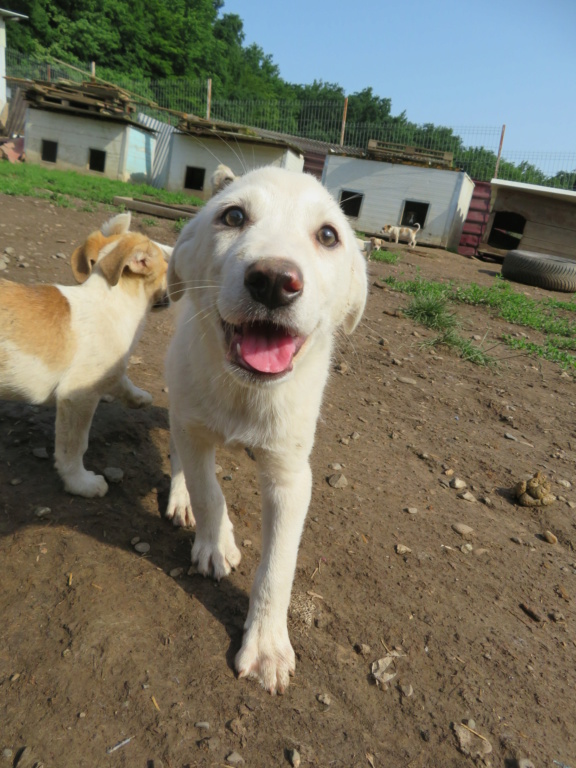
<point x="541" y="269"/>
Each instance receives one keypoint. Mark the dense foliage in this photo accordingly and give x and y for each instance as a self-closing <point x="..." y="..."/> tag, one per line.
<point x="157" y="43"/>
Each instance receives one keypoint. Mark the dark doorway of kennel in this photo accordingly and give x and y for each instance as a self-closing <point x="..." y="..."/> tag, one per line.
<point x="507" y="230"/>
<point x="351" y="202"/>
<point x="97" y="160"/>
<point x="49" y="151"/>
<point x="194" y="178"/>
<point x="414" y="213"/>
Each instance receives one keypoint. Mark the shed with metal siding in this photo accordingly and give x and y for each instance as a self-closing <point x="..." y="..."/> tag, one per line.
<point x="398" y="194"/>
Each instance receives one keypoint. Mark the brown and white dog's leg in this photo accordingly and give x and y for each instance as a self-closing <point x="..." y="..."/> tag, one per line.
<point x="214" y="552"/>
<point x="266" y="651"/>
<point x="131" y="395"/>
<point x="73" y="420"/>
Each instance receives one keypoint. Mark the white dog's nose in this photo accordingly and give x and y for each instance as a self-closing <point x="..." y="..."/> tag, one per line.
<point x="274" y="282"/>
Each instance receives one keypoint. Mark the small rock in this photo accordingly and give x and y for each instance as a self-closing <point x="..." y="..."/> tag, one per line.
<point x="355" y="436"/>
<point x="294" y="757"/>
<point x="466" y="549"/>
<point x="203" y="725"/>
<point x="517" y="540"/>
<point x="406" y="380"/>
<point x="464" y="530"/>
<point x="557" y="616"/>
<point x="406" y="690"/>
<point x="337" y="480"/>
<point x="411" y="510"/>
<point x="235" y="759"/>
<point x="550" y="538"/>
<point x="457" y="483"/>
<point x="487" y="501"/>
<point x="40" y="453"/>
<point x="247" y="543"/>
<point x="362" y="649"/>
<point x="448" y="472"/>
<point x="113" y="474"/>
<point x="324" y="698"/>
<point x="142" y="547"/>
<point x="175" y="573"/>
<point x="510" y="436"/>
<point x="16" y="481"/>
<point x="469" y="743"/>
<point x="42" y="511"/>
<point x="564" y="483"/>
<point x="524" y="762"/>
<point x="61" y="255"/>
<point x="226" y="477"/>
<point x="467" y="496"/>
<point x="342" y="367"/>
<point x="344" y="440"/>
<point x="7" y="753"/>
<point x="402" y="549"/>
<point x="479" y="552"/>
<point x="217" y="469"/>
<point x="135" y="540"/>
<point x="335" y="466"/>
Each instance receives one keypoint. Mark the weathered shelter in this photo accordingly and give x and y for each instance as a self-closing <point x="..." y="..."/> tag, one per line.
<point x="401" y="186"/>
<point x="199" y="145"/>
<point x="531" y="218"/>
<point x="88" y="127"/>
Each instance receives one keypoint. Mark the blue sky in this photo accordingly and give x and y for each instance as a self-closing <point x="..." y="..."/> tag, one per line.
<point x="457" y="63"/>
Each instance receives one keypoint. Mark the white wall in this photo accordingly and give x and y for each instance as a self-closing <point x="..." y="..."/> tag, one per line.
<point x="386" y="187"/>
<point x="208" y="153"/>
<point x="2" y="63"/>
<point x="75" y="137"/>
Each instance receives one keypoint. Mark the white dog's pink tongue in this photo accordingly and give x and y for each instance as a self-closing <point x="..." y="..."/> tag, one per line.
<point x="267" y="351"/>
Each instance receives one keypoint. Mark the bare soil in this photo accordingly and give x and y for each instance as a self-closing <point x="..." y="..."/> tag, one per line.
<point x="99" y="644"/>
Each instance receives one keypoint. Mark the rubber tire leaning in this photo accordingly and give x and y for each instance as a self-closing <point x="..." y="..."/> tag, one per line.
<point x="541" y="269"/>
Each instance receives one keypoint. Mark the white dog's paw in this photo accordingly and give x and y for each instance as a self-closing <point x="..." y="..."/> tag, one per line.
<point x="86" y="484"/>
<point x="213" y="559"/>
<point x="179" y="508"/>
<point x="268" y="657"/>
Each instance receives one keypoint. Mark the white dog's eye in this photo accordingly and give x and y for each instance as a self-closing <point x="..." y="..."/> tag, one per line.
<point x="233" y="217"/>
<point x="327" y="236"/>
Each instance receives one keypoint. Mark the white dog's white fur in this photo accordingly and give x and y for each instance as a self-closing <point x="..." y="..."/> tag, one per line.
<point x="405" y="232"/>
<point x="70" y="345"/>
<point x="265" y="274"/>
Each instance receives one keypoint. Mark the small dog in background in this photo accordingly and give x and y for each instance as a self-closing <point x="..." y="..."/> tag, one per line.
<point x="221" y="177"/>
<point x="395" y="233"/>
<point x="70" y="345"/>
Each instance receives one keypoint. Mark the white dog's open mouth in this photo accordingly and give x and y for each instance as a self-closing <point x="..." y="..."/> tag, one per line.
<point x="262" y="348"/>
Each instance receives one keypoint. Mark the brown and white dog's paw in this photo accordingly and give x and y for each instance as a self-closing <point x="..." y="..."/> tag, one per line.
<point x="267" y="656"/>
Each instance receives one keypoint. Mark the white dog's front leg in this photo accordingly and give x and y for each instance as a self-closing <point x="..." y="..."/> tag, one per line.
<point x="179" y="508"/>
<point x="73" y="420"/>
<point x="214" y="551"/>
<point x="266" y="651"/>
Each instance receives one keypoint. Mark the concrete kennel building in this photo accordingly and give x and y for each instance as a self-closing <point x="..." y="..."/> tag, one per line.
<point x="401" y="186"/>
<point x="90" y="128"/>
<point x="199" y="145"/>
<point x="531" y="218"/>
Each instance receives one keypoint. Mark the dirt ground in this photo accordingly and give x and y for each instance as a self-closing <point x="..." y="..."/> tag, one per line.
<point x="99" y="644"/>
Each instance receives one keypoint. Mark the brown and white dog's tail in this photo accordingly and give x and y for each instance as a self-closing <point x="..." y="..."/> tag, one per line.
<point x="417" y="227"/>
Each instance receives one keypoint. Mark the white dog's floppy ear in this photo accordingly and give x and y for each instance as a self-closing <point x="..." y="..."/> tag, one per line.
<point x="356" y="295"/>
<point x="117" y="225"/>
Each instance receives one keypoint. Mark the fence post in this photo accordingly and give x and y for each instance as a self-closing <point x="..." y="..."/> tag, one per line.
<point x="344" y="121"/>
<point x="93" y="68"/>
<point x="209" y="99"/>
<point x="499" y="152"/>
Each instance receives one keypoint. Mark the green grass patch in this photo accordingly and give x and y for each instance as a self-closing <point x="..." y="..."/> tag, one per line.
<point x="64" y="188"/>
<point x="552" y="317"/>
<point x="386" y="256"/>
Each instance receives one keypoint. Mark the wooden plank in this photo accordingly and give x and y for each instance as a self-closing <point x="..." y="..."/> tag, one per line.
<point x="548" y="233"/>
<point x="161" y="210"/>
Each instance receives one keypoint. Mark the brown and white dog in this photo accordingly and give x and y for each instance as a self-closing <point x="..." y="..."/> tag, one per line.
<point x="70" y="345"/>
<point x="395" y="233"/>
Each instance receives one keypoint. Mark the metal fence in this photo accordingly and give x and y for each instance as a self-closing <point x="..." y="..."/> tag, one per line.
<point x="475" y="149"/>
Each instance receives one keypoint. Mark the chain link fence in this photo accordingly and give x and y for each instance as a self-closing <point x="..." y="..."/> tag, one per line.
<point x="475" y="149"/>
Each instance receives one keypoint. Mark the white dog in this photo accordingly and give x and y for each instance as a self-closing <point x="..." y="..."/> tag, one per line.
<point x="266" y="274"/>
<point x="404" y="232"/>
<point x="70" y="345"/>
